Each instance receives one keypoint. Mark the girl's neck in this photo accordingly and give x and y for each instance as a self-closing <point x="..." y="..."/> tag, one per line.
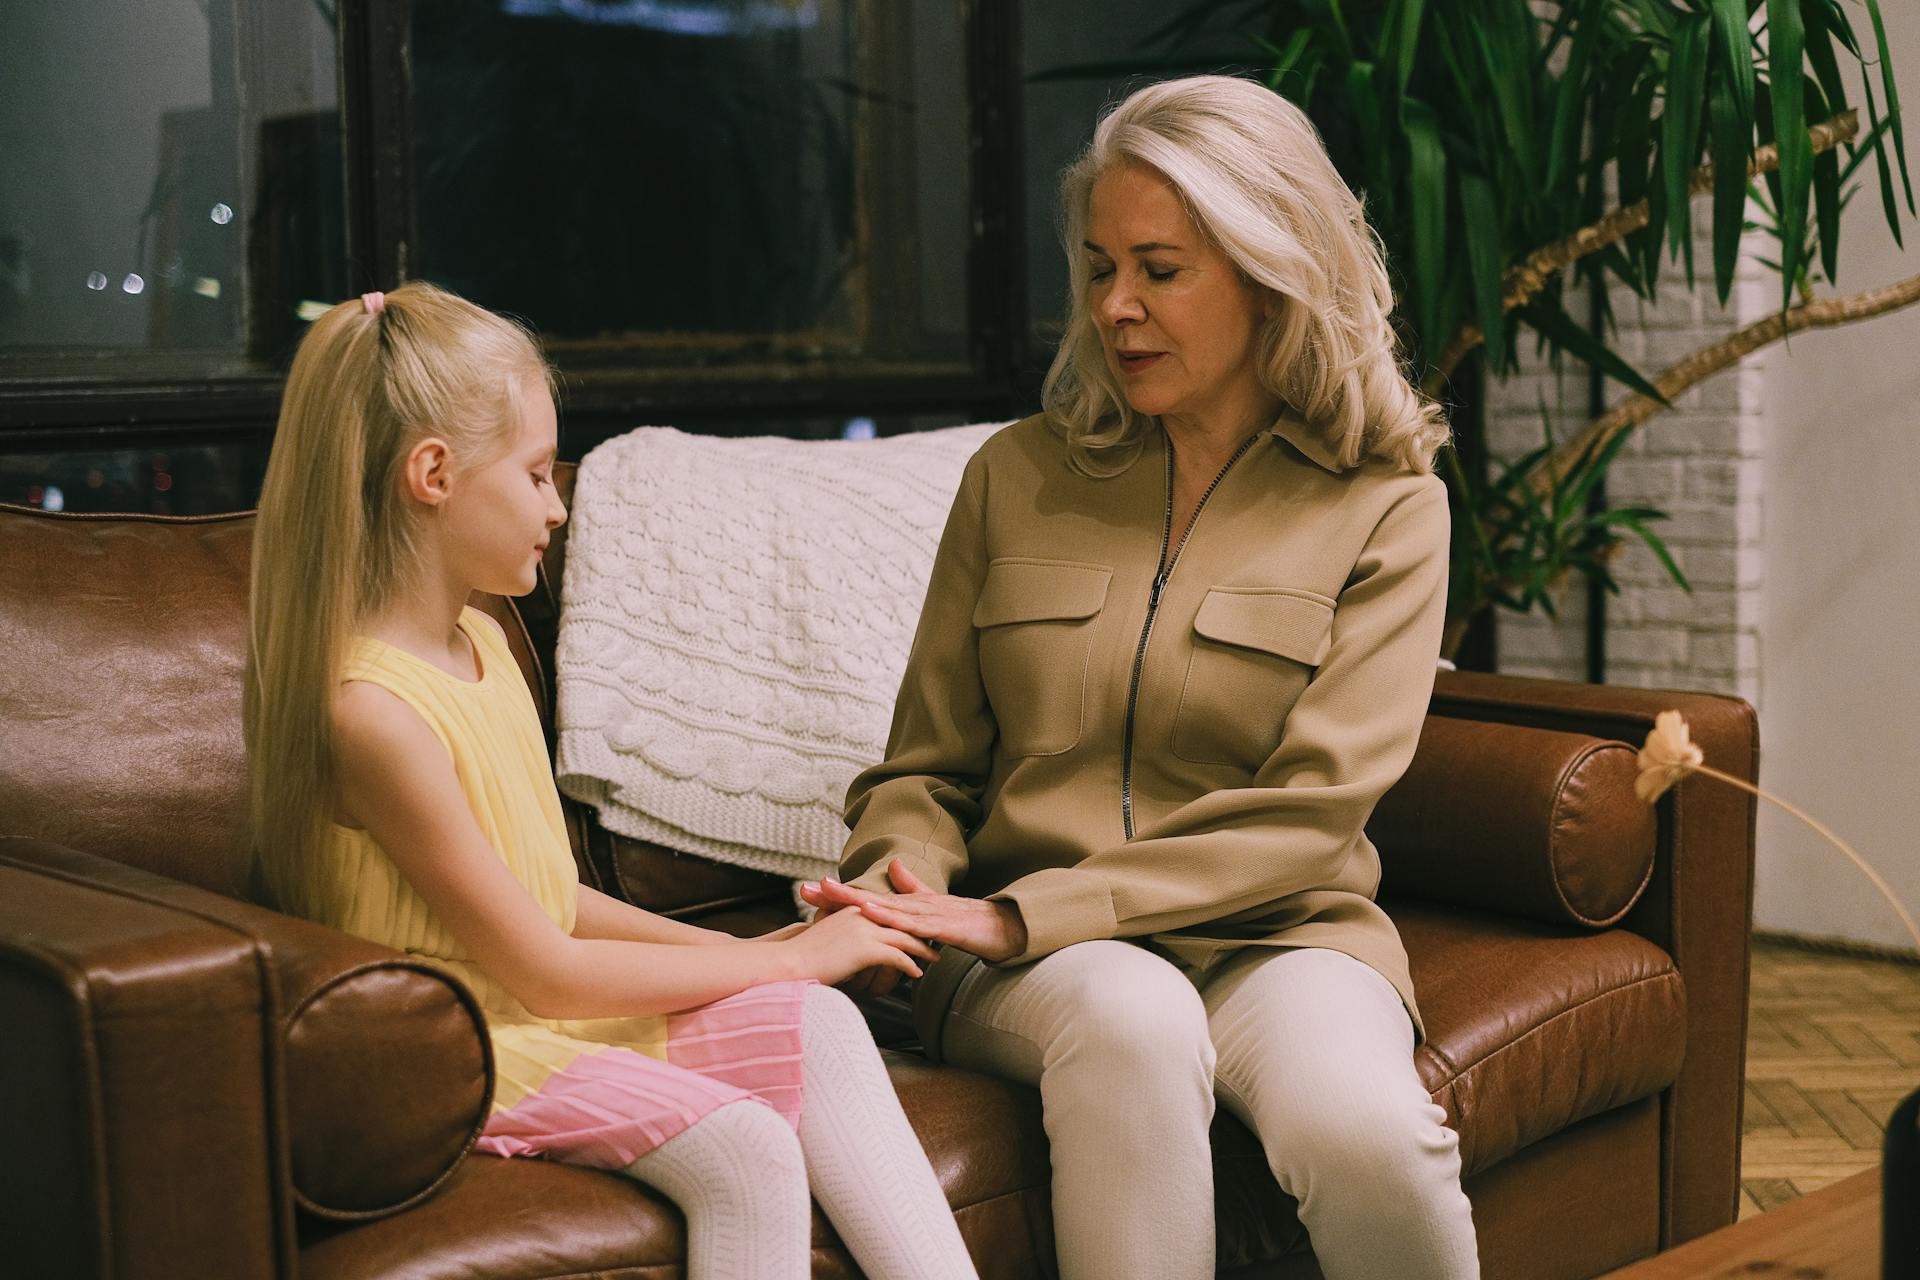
<point x="425" y="622"/>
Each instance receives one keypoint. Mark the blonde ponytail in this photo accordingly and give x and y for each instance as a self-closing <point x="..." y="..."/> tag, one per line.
<point x="334" y="543"/>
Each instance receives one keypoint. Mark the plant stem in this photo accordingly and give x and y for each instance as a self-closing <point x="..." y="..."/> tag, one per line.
<point x="1711" y="359"/>
<point x="1831" y="838"/>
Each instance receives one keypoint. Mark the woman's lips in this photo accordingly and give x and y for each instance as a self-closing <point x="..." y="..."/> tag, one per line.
<point x="1135" y="361"/>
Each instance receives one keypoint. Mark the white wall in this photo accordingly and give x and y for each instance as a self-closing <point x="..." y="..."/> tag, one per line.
<point x="1840" y="617"/>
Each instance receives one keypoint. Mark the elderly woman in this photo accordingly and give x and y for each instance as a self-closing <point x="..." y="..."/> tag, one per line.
<point x="1179" y="639"/>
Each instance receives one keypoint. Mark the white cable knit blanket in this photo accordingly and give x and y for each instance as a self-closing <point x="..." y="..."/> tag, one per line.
<point x="735" y="619"/>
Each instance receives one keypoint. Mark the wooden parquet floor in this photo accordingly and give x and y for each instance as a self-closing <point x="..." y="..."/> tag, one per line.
<point x="1833" y="1045"/>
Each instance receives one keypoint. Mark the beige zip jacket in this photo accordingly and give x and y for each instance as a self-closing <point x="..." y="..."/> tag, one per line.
<point x="1188" y="764"/>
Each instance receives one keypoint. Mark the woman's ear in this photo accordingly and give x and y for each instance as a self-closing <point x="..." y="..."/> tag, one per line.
<point x="427" y="474"/>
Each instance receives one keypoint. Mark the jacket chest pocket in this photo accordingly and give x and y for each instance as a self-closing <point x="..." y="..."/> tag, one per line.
<point x="1035" y="619"/>
<point x="1254" y="649"/>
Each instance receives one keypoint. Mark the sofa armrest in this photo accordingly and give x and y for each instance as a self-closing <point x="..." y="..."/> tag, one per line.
<point x="1529" y="822"/>
<point x="1698" y="906"/>
<point x="143" y="1080"/>
<point x="211" y="1064"/>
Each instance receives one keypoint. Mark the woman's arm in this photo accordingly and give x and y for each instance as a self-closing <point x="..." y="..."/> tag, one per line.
<point x="923" y="800"/>
<point x="1348" y="738"/>
<point x="396" y="778"/>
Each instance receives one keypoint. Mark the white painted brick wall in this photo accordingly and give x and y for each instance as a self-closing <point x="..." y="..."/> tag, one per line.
<point x="1700" y="462"/>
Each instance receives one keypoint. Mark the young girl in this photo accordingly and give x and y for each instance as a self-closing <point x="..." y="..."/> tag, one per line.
<point x="401" y="791"/>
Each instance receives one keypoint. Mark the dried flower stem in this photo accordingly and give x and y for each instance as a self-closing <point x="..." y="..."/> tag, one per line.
<point x="1526" y="279"/>
<point x="1858" y="861"/>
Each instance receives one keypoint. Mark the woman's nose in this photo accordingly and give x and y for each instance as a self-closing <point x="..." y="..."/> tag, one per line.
<point x="1120" y="305"/>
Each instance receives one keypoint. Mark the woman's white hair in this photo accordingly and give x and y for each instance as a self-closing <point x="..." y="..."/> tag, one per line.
<point x="1254" y="176"/>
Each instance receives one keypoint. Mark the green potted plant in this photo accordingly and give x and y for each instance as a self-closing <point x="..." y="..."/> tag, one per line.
<point x="1509" y="148"/>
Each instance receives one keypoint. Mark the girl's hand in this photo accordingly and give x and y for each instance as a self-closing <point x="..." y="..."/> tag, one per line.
<point x="993" y="931"/>
<point x="781" y="934"/>
<point x="836" y="947"/>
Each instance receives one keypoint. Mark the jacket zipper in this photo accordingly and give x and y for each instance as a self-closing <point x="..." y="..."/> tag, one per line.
<point x="1162" y="572"/>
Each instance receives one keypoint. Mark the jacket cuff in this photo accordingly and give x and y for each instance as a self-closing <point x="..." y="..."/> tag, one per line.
<point x="1060" y="906"/>
<point x="874" y="879"/>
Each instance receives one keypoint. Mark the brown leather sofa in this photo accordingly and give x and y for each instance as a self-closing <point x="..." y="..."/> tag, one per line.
<point x="197" y="1086"/>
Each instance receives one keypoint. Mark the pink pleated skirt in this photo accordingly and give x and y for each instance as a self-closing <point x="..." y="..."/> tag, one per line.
<point x="605" y="1106"/>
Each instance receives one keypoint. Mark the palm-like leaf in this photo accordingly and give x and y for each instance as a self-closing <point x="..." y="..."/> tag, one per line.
<point x="1481" y="129"/>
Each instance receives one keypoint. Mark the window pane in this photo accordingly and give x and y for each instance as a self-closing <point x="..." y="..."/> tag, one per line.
<point x="1060" y="115"/>
<point x="671" y="183"/>
<point x="170" y="183"/>
<point x="175" y="480"/>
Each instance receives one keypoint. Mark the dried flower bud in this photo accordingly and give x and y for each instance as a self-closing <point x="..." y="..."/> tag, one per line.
<point x="1669" y="756"/>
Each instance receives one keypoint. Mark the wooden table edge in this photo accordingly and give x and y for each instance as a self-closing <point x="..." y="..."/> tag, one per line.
<point x="1835" y="1229"/>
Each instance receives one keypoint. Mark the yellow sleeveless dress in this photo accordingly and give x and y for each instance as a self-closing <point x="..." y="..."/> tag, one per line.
<point x="600" y="1091"/>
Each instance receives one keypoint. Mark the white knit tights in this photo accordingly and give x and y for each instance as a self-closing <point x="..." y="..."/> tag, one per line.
<point x="741" y="1176"/>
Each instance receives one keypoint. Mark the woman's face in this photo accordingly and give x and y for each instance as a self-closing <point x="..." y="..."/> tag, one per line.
<point x="1177" y="320"/>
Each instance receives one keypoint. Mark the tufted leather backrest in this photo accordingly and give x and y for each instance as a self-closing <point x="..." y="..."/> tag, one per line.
<point x="125" y="643"/>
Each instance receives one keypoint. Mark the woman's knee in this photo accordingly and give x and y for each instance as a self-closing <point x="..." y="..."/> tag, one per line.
<point x="1392" y="1144"/>
<point x="1128" y="1008"/>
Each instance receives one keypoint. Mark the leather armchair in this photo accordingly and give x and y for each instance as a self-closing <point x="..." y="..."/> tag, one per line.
<point x="195" y="1085"/>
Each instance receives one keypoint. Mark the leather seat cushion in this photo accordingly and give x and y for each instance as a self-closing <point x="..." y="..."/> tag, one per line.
<point x="1530" y="1030"/>
<point x="1531" y="1027"/>
<point x="532" y="1218"/>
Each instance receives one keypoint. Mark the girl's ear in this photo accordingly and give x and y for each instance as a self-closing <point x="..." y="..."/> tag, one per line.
<point x="427" y="475"/>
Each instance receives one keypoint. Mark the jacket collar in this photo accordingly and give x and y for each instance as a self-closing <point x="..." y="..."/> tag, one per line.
<point x="1308" y="441"/>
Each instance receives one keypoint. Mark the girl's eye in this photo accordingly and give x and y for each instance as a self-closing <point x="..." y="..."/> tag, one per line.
<point x="1099" y="273"/>
<point x="1161" y="275"/>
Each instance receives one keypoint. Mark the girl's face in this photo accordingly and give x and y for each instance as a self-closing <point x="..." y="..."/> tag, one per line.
<point x="500" y="516"/>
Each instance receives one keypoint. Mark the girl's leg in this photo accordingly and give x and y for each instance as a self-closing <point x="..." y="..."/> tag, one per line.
<point x="1116" y="1038"/>
<point x="1316" y="1056"/>
<point x="738" y="1176"/>
<point x="869" y="1171"/>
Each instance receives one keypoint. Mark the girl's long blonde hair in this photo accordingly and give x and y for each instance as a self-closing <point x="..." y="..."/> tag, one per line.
<point x="334" y="543"/>
<point x="1255" y="178"/>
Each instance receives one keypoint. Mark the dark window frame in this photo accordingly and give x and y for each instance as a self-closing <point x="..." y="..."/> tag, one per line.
<point x="46" y="414"/>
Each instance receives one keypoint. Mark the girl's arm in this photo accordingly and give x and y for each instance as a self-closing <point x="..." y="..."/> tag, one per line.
<point x="600" y="915"/>
<point x="394" y="776"/>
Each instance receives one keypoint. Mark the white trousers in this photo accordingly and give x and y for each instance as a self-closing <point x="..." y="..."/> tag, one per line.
<point x="1310" y="1048"/>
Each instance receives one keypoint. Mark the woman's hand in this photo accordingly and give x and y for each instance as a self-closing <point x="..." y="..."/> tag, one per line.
<point x="993" y="931"/>
<point x="835" y="947"/>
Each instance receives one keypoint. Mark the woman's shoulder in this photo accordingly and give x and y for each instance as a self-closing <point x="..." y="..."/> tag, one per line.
<point x="1031" y="439"/>
<point x="1385" y="485"/>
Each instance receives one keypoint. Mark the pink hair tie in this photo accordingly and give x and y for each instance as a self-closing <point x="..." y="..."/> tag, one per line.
<point x="374" y="302"/>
